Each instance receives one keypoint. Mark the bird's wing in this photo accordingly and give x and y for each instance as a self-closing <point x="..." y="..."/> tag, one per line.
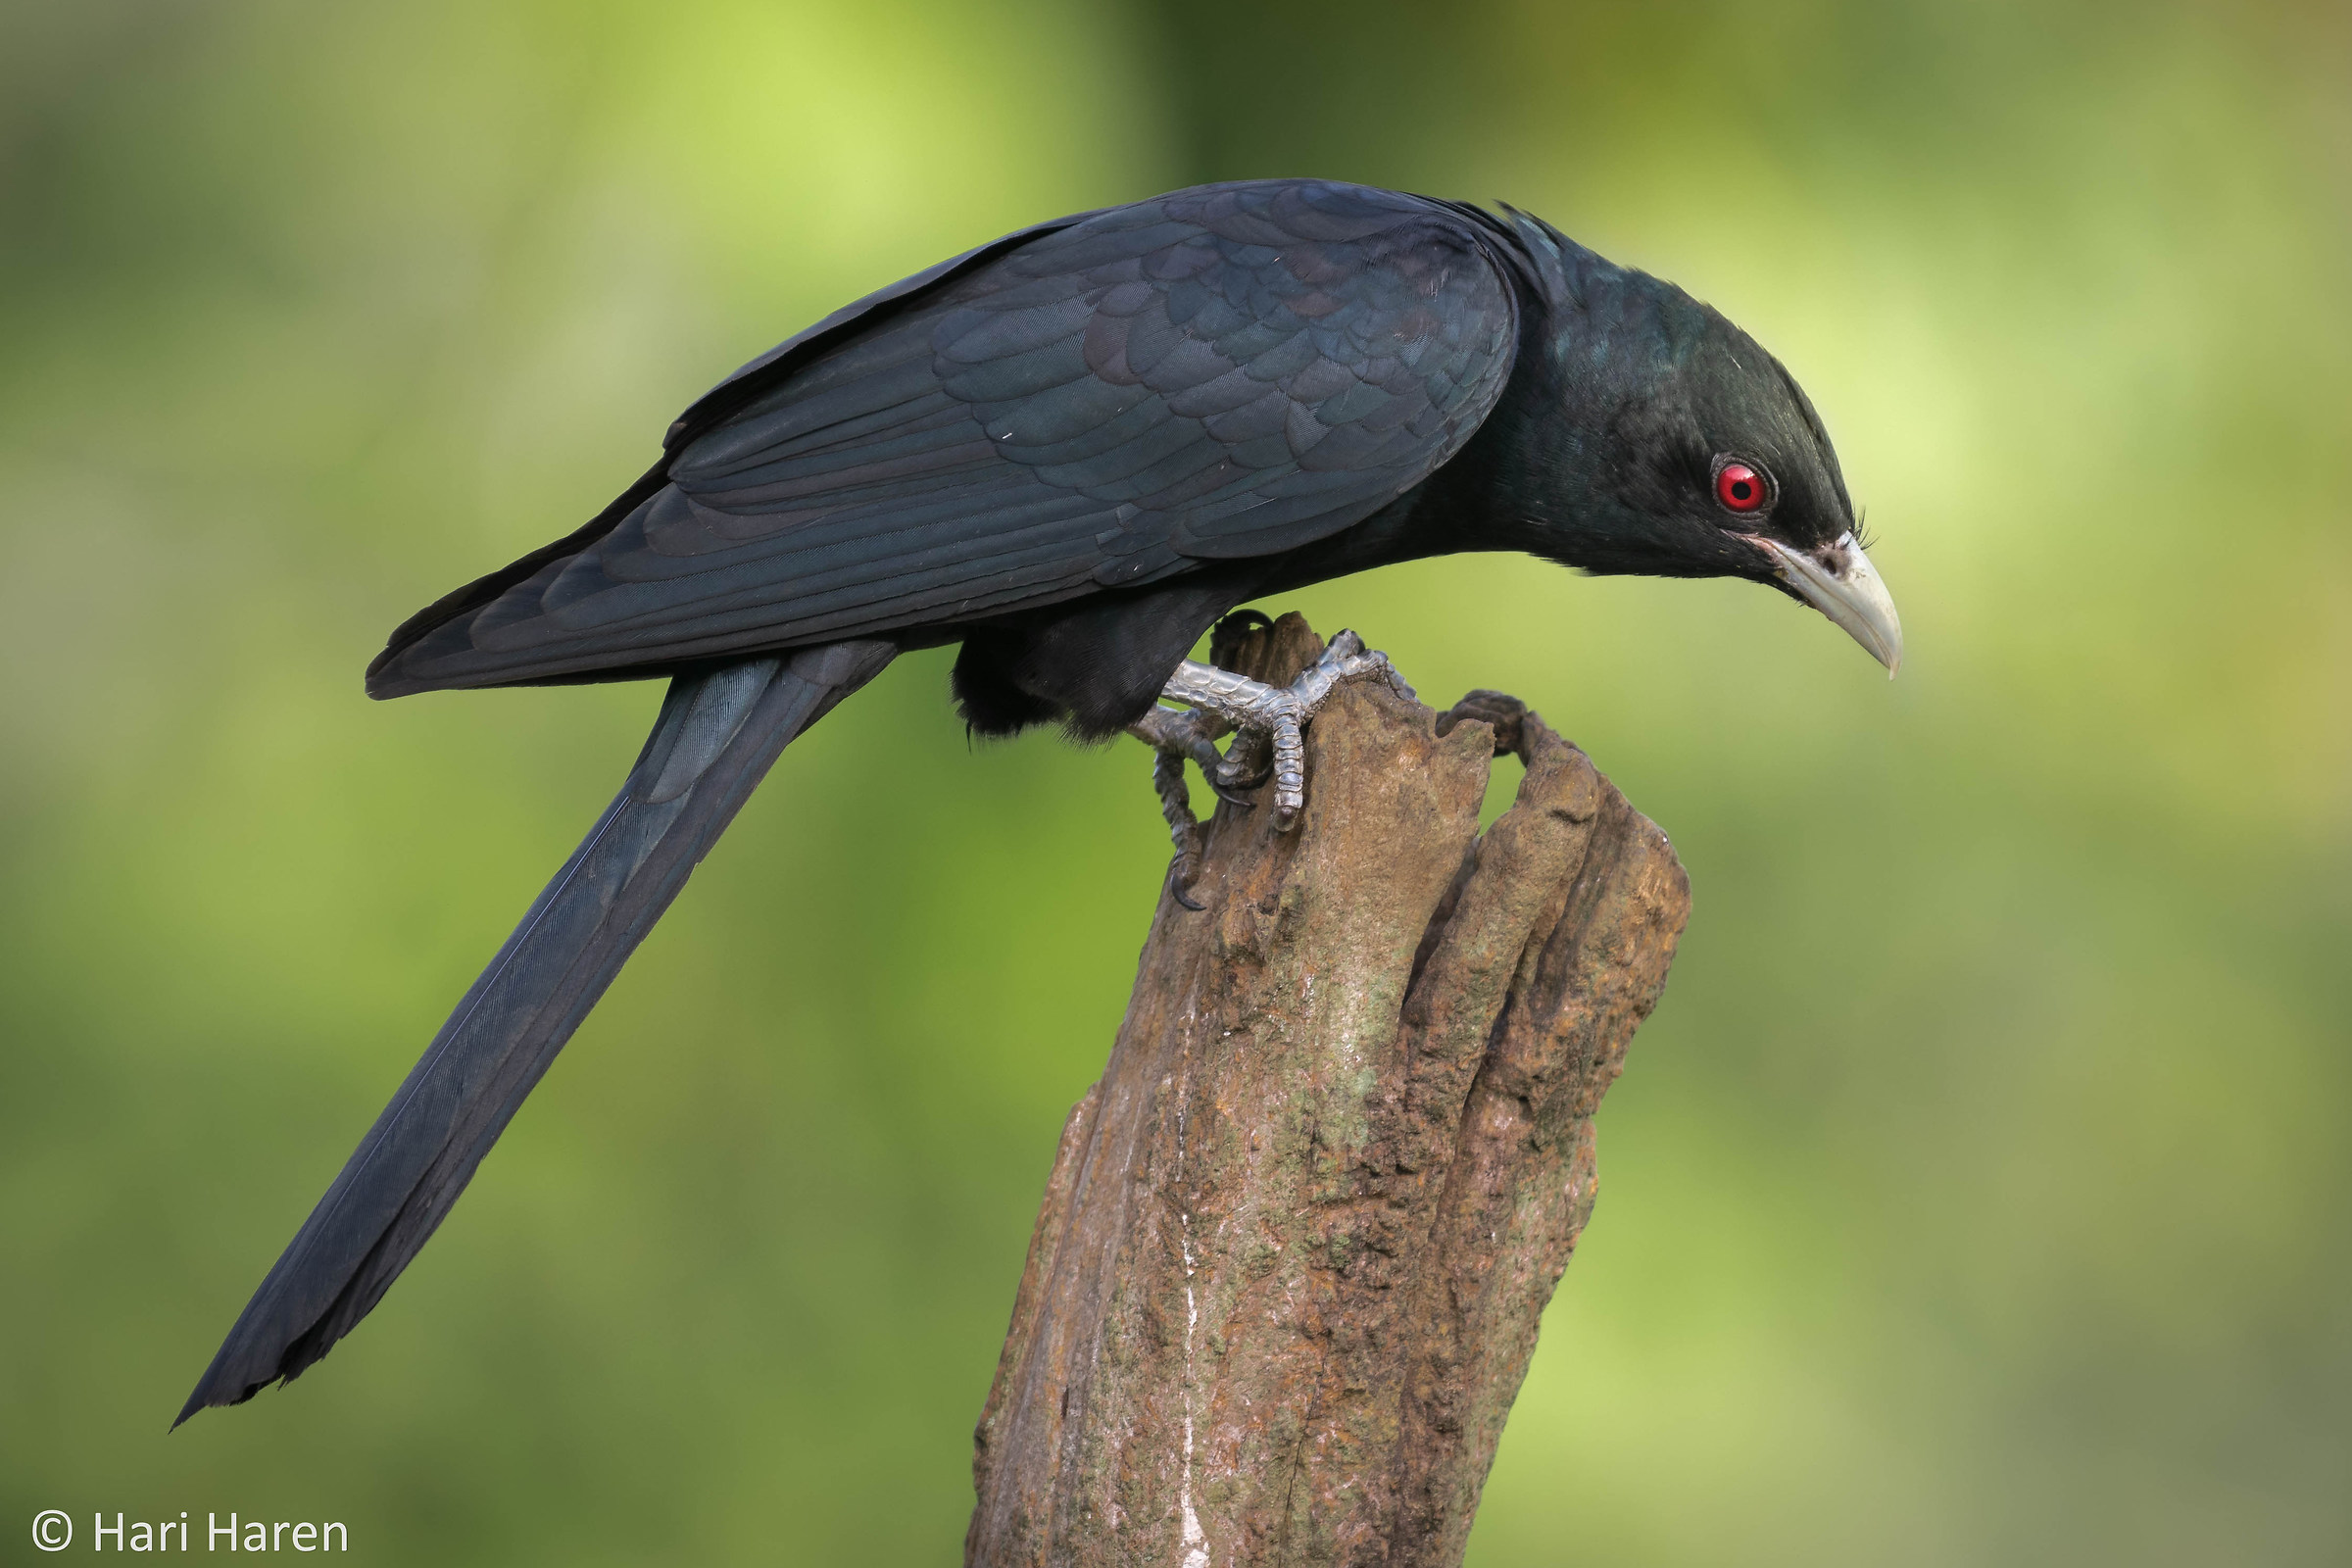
<point x="1233" y="371"/>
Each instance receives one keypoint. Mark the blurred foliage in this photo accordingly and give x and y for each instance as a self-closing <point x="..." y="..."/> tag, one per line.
<point x="1977" y="1195"/>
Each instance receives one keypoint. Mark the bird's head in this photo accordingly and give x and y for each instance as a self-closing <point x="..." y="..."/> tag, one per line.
<point x="1687" y="451"/>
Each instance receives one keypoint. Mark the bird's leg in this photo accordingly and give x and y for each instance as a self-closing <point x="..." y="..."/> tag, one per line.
<point x="1270" y="720"/>
<point x="1274" y="717"/>
<point x="1173" y="736"/>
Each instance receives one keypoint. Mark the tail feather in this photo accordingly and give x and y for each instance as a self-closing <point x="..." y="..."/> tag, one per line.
<point x="717" y="733"/>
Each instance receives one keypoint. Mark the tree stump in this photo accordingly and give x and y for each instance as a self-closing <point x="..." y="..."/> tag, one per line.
<point x="1291" y="1257"/>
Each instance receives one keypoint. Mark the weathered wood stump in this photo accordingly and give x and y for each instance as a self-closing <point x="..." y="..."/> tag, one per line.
<point x="1291" y="1261"/>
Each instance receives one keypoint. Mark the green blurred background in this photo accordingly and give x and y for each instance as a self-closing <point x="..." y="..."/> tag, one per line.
<point x="1978" y="1195"/>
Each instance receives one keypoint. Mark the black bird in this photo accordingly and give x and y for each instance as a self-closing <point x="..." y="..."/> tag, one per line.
<point x="1072" y="450"/>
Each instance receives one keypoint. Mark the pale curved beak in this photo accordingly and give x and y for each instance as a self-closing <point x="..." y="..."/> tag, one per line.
<point x="1839" y="580"/>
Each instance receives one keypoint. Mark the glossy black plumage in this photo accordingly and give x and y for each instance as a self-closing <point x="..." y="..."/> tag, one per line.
<point x="716" y="735"/>
<point x="1105" y="404"/>
<point x="1070" y="451"/>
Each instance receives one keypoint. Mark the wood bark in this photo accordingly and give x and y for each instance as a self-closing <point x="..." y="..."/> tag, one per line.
<point x="1297" y="1241"/>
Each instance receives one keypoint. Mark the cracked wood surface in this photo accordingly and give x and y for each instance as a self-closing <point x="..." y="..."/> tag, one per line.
<point x="1297" y="1241"/>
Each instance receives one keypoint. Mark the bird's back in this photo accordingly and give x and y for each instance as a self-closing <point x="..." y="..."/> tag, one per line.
<point x="1098" y="402"/>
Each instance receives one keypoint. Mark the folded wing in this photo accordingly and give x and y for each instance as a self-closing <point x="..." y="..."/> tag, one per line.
<point x="1233" y="371"/>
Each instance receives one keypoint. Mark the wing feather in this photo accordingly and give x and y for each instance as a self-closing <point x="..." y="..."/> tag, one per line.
<point x="1226" y="371"/>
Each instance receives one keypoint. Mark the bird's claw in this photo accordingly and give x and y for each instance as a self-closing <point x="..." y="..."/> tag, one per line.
<point x="1272" y="719"/>
<point x="1269" y="743"/>
<point x="1167" y="777"/>
<point x="1510" y="718"/>
<point x="1244" y="768"/>
<point x="1175" y="737"/>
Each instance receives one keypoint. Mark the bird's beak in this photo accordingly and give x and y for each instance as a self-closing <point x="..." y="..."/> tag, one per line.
<point x="1839" y="580"/>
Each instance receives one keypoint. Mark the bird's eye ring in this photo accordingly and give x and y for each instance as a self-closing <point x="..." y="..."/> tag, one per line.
<point x="1741" y="487"/>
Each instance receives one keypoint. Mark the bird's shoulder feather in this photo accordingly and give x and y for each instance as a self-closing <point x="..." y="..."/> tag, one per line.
<point x="1101" y="403"/>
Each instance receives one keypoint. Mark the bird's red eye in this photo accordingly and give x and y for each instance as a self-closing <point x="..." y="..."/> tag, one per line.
<point x="1740" y="487"/>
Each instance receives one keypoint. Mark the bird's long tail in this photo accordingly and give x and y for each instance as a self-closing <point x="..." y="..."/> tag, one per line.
<point x="717" y="733"/>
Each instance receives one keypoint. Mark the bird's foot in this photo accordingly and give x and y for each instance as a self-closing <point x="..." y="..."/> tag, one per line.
<point x="1517" y="727"/>
<point x="1176" y="736"/>
<point x="1272" y="719"/>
